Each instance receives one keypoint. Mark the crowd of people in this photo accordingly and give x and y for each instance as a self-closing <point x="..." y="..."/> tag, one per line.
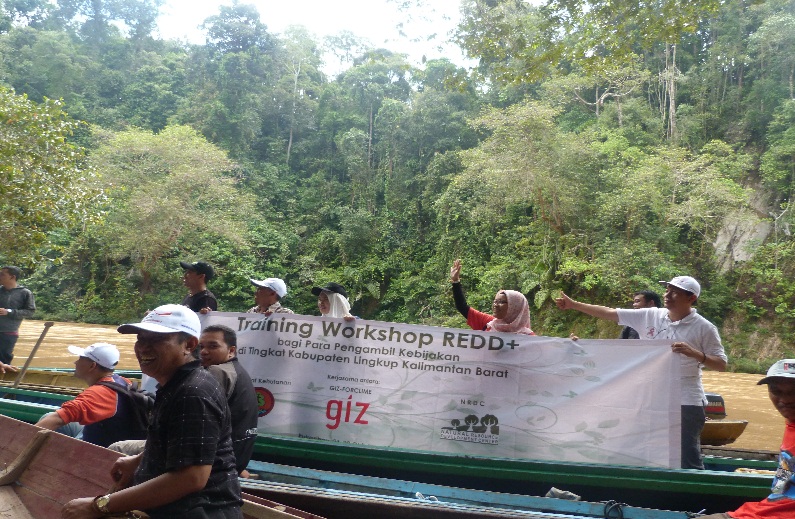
<point x="203" y="419"/>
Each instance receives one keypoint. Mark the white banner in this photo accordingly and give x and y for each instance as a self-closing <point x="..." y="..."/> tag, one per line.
<point x="462" y="391"/>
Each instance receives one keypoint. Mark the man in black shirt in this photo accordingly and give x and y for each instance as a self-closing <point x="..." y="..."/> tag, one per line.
<point x="187" y="469"/>
<point x="196" y="277"/>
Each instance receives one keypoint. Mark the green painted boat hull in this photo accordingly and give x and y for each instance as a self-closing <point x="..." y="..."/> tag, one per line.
<point x="689" y="490"/>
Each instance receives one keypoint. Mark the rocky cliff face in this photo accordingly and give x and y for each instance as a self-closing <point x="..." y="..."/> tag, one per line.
<point x="746" y="228"/>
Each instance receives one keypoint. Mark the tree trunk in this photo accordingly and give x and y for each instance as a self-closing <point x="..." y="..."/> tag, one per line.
<point x="296" y="73"/>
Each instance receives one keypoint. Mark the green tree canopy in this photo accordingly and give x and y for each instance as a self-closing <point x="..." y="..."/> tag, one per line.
<point x="45" y="183"/>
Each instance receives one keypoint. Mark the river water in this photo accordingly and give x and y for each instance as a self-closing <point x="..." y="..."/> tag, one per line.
<point x="744" y="399"/>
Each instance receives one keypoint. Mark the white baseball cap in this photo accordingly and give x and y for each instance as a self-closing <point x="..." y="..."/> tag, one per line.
<point x="781" y="369"/>
<point x="275" y="284"/>
<point x="104" y="354"/>
<point x="685" y="283"/>
<point x="166" y="319"/>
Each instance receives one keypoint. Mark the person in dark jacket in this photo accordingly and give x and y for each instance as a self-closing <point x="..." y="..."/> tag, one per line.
<point x="16" y="303"/>
<point x="218" y="347"/>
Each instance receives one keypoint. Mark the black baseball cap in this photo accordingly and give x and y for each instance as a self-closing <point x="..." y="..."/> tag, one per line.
<point x="330" y="287"/>
<point x="199" y="267"/>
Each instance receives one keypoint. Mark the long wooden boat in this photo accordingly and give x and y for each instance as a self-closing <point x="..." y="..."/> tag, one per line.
<point x="714" y="490"/>
<point x="363" y="497"/>
<point x="44" y="470"/>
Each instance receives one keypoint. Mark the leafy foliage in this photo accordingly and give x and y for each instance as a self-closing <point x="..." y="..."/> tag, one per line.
<point x="46" y="183"/>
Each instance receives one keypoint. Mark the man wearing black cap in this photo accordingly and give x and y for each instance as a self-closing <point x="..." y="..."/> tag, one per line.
<point x="196" y="277"/>
<point x="780" y="503"/>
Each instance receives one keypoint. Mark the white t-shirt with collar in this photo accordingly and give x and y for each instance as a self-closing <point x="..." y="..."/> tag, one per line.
<point x="654" y="323"/>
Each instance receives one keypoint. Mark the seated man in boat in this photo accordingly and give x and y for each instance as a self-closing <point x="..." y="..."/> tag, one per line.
<point x="217" y="353"/>
<point x="693" y="337"/>
<point x="780" y="503"/>
<point x="105" y="417"/>
<point x="188" y="467"/>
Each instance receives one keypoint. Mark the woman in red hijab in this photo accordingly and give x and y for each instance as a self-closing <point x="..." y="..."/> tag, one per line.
<point x="510" y="308"/>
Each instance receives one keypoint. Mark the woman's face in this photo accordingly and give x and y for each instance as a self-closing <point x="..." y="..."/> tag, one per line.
<point x="323" y="303"/>
<point x="499" y="308"/>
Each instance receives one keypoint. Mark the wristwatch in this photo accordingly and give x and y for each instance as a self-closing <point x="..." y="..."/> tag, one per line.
<point x="102" y="502"/>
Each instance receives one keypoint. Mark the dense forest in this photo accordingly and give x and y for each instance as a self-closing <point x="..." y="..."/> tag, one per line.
<point x="596" y="148"/>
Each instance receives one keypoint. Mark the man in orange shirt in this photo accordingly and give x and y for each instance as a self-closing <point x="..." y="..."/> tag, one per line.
<point x="105" y="417"/>
<point x="780" y="504"/>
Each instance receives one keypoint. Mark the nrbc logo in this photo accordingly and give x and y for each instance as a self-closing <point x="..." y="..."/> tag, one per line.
<point x="473" y="429"/>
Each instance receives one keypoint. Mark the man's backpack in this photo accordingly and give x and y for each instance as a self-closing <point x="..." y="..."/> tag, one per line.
<point x="140" y="402"/>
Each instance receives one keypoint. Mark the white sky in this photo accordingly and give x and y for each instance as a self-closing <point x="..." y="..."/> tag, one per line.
<point x="374" y="20"/>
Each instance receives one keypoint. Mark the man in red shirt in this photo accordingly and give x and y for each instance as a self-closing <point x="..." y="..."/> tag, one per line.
<point x="105" y="417"/>
<point x="780" y="504"/>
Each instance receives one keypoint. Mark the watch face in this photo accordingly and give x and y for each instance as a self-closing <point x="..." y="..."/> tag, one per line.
<point x="102" y="503"/>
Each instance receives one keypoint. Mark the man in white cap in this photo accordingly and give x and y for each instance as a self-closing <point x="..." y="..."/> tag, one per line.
<point x="780" y="503"/>
<point x="269" y="293"/>
<point x="105" y="417"/>
<point x="693" y="337"/>
<point x="187" y="468"/>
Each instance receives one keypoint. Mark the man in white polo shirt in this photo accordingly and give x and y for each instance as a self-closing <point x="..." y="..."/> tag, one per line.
<point x="693" y="337"/>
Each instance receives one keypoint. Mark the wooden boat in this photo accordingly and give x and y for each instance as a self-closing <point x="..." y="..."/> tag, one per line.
<point x="718" y="430"/>
<point x="352" y="496"/>
<point x="714" y="490"/>
<point x="722" y="432"/>
<point x="43" y="471"/>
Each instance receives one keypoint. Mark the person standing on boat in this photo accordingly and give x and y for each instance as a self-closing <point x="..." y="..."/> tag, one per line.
<point x="693" y="337"/>
<point x="511" y="311"/>
<point x="218" y="354"/>
<point x="105" y="417"/>
<point x="332" y="301"/>
<point x="196" y="277"/>
<point x="16" y="303"/>
<point x="268" y="296"/>
<point x="188" y="467"/>
<point x="780" y="504"/>
<point x="642" y="299"/>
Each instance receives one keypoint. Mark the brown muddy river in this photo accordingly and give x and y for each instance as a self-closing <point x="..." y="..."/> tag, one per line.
<point x="744" y="399"/>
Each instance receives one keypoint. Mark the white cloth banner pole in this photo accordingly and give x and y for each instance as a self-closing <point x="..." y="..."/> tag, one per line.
<point x="462" y="391"/>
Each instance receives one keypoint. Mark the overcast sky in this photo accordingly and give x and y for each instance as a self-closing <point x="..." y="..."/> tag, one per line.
<point x="375" y="20"/>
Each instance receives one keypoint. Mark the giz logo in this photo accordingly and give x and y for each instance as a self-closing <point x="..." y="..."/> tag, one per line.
<point x="334" y="410"/>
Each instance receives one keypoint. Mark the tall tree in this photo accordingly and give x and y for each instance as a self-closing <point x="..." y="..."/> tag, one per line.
<point x="46" y="183"/>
